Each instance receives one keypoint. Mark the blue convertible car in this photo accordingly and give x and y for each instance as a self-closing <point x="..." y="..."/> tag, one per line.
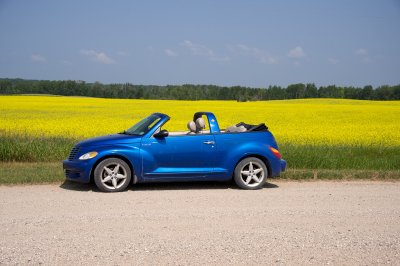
<point x="147" y="152"/>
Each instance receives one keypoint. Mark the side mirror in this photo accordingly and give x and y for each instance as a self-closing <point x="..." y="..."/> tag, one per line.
<point x="162" y="134"/>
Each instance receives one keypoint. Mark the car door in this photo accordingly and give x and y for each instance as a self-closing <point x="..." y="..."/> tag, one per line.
<point x="178" y="157"/>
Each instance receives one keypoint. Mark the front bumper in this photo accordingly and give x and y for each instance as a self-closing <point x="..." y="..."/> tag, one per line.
<point x="283" y="165"/>
<point x="78" y="171"/>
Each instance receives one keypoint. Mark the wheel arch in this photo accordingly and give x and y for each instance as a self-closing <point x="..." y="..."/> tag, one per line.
<point x="258" y="156"/>
<point x="126" y="160"/>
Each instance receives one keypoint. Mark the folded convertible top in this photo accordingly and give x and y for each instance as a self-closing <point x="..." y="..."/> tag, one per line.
<point x="259" y="127"/>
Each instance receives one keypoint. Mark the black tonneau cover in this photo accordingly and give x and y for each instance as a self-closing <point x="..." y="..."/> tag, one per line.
<point x="259" y="127"/>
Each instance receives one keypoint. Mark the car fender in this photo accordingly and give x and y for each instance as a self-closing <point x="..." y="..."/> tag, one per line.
<point x="130" y="154"/>
<point x="244" y="150"/>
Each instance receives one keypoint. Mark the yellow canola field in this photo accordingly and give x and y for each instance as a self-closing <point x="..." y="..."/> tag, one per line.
<point x="299" y="122"/>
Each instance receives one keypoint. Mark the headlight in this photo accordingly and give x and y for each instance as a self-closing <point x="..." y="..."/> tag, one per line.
<point x="88" y="155"/>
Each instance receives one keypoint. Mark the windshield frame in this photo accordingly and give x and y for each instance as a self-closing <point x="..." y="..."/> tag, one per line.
<point x="145" y="125"/>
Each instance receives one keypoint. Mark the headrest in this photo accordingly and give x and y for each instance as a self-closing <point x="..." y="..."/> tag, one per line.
<point x="200" y="124"/>
<point x="191" y="126"/>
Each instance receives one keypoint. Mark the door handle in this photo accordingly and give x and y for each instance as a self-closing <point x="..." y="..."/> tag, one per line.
<point x="209" y="142"/>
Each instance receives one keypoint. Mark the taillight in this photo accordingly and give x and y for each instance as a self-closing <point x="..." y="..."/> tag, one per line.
<point x="276" y="152"/>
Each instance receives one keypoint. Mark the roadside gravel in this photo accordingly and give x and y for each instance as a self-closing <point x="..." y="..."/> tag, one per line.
<point x="340" y="223"/>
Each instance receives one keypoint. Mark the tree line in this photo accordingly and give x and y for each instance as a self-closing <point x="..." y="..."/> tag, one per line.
<point x="195" y="92"/>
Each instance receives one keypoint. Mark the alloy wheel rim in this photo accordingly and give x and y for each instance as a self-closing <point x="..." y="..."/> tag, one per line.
<point x="113" y="176"/>
<point x="252" y="174"/>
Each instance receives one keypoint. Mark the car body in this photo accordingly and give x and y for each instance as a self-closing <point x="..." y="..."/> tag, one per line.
<point x="153" y="154"/>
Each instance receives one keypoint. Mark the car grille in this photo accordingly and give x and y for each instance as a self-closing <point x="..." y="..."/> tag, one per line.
<point x="67" y="173"/>
<point x="71" y="175"/>
<point x="73" y="153"/>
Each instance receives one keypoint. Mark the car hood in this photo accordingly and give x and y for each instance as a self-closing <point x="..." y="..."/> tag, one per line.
<point x="110" y="140"/>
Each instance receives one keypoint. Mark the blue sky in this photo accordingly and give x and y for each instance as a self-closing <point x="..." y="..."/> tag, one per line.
<point x="249" y="43"/>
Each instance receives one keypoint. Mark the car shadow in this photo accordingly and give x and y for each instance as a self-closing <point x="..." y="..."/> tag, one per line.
<point x="75" y="186"/>
<point x="270" y="185"/>
<point x="69" y="185"/>
<point x="181" y="186"/>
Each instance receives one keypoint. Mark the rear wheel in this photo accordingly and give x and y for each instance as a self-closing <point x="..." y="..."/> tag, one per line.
<point x="112" y="175"/>
<point x="251" y="173"/>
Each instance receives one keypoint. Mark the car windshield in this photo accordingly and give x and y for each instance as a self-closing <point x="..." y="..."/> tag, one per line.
<point x="143" y="126"/>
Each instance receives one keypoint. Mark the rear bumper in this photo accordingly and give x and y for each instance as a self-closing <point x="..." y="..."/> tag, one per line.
<point x="78" y="171"/>
<point x="277" y="166"/>
<point x="283" y="165"/>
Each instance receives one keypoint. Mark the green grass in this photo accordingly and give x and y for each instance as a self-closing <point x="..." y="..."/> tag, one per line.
<point x="341" y="157"/>
<point x="21" y="148"/>
<point x="30" y="173"/>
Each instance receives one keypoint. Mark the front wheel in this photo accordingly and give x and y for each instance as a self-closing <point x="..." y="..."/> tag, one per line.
<point x="250" y="173"/>
<point x="112" y="175"/>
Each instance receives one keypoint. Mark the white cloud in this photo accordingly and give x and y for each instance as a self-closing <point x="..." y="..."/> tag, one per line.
<point x="100" y="57"/>
<point x="169" y="52"/>
<point x="296" y="52"/>
<point x="361" y="51"/>
<point x="198" y="49"/>
<point x="261" y="55"/>
<point x="202" y="50"/>
<point x="363" y="54"/>
<point x="333" y="61"/>
<point x="38" y="58"/>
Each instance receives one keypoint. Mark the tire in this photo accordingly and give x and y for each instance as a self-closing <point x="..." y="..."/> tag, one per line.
<point x="250" y="173"/>
<point x="108" y="180"/>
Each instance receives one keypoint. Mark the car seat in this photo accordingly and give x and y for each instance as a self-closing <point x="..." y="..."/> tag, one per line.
<point x="200" y="125"/>
<point x="192" y="127"/>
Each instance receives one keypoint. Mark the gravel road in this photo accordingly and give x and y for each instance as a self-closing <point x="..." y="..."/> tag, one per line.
<point x="340" y="223"/>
